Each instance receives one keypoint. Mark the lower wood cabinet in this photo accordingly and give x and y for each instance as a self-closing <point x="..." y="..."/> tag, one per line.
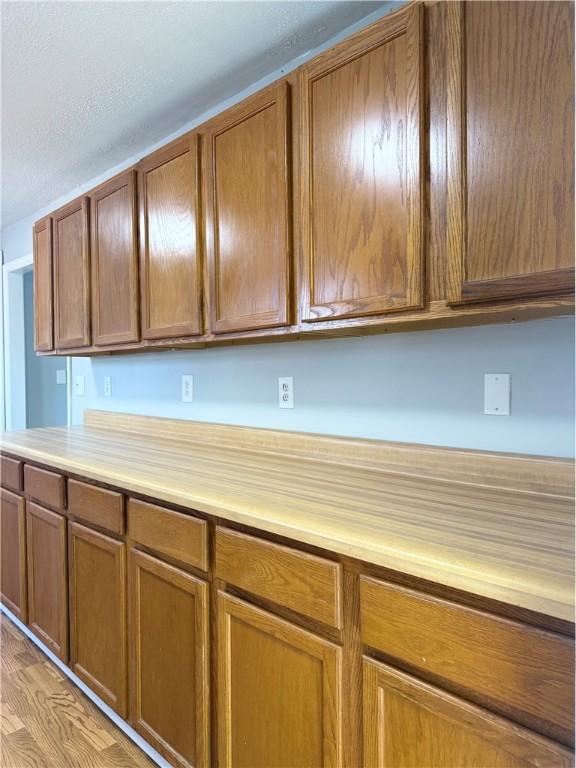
<point x="279" y="692"/>
<point x="97" y="573"/>
<point x="13" y="553"/>
<point x="410" y="723"/>
<point x="47" y="577"/>
<point x="169" y="650"/>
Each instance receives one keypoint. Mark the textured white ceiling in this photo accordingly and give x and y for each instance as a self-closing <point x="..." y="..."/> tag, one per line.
<point x="87" y="84"/>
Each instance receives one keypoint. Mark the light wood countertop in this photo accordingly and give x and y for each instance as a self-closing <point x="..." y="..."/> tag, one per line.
<point x="497" y="525"/>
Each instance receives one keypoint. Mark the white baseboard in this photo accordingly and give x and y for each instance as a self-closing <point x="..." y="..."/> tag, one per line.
<point x="118" y="721"/>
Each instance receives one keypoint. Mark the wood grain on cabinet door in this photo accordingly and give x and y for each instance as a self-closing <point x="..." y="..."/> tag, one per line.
<point x="170" y="245"/>
<point x="13" y="588"/>
<point x="97" y="584"/>
<point x="510" y="150"/>
<point x="279" y="692"/>
<point x="248" y="214"/>
<point x="47" y="578"/>
<point x="43" y="286"/>
<point x="114" y="256"/>
<point x="410" y="723"/>
<point x="362" y="173"/>
<point x="72" y="275"/>
<point x="169" y="660"/>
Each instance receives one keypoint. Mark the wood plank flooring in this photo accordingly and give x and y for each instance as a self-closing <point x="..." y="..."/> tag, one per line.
<point x="46" y="722"/>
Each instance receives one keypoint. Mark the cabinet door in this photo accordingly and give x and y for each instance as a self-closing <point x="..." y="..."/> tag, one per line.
<point x="510" y="149"/>
<point x="47" y="578"/>
<point x="115" y="315"/>
<point x="409" y="723"/>
<point x="362" y="174"/>
<point x="71" y="275"/>
<point x="97" y="582"/>
<point x="248" y="216"/>
<point x="170" y="266"/>
<point x="169" y="653"/>
<point x="13" y="552"/>
<point x="43" y="290"/>
<point x="279" y="692"/>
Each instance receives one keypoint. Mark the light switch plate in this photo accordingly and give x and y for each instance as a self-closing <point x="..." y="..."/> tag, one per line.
<point x="187" y="388"/>
<point x="285" y="392"/>
<point x="107" y="386"/>
<point x="61" y="376"/>
<point x="79" y="386"/>
<point x="497" y="394"/>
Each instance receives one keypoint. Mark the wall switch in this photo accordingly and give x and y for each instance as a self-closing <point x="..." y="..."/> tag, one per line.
<point x="187" y="388"/>
<point x="497" y="394"/>
<point x="79" y="386"/>
<point x="107" y="386"/>
<point x="285" y="392"/>
<point x="61" y="376"/>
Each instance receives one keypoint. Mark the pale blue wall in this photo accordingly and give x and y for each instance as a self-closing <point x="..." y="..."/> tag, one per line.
<point x="420" y="387"/>
<point x="45" y="400"/>
<point x="424" y="387"/>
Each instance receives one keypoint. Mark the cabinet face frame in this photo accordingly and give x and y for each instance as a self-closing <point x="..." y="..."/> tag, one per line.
<point x="128" y="180"/>
<point x="82" y="205"/>
<point x="459" y="289"/>
<point x="43" y="290"/>
<point x="327" y="653"/>
<point x="278" y="95"/>
<point x="117" y="700"/>
<point x="19" y="609"/>
<point x="408" y="22"/>
<point x="59" y="645"/>
<point x="179" y="579"/>
<point x="189" y="144"/>
<point x="381" y="680"/>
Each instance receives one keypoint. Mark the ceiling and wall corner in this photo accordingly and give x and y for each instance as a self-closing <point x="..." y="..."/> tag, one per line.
<point x="86" y="85"/>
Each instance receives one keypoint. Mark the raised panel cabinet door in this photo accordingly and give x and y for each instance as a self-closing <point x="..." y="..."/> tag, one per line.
<point x="510" y="133"/>
<point x="279" y="692"/>
<point x="72" y="275"/>
<point x="248" y="214"/>
<point x="114" y="256"/>
<point x="169" y="652"/>
<point x="97" y="585"/>
<point x="409" y="723"/>
<point x="170" y="246"/>
<point x="362" y="143"/>
<point x="13" y="589"/>
<point x="47" y="578"/>
<point x="43" y="288"/>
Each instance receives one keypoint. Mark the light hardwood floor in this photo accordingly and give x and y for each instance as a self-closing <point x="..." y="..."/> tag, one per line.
<point x="46" y="722"/>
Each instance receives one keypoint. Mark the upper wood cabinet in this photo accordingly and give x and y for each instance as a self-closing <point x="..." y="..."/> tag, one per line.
<point x="510" y="149"/>
<point x="410" y="723"/>
<point x="170" y="247"/>
<point x="115" y="299"/>
<point x="248" y="214"/>
<point x="362" y="178"/>
<point x="72" y="275"/>
<point x="43" y="291"/>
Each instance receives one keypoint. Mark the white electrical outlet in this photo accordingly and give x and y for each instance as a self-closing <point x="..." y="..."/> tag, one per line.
<point x="187" y="388"/>
<point x="497" y="394"/>
<point x="61" y="376"/>
<point x="107" y="386"/>
<point x="79" y="386"/>
<point x="285" y="392"/>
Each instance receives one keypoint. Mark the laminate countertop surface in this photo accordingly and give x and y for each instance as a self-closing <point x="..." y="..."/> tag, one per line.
<point x="496" y="525"/>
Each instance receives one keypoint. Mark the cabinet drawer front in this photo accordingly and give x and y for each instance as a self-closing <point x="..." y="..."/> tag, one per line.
<point x="520" y="670"/>
<point x="170" y="533"/>
<point x="45" y="487"/>
<point x="11" y="473"/>
<point x="296" y="580"/>
<point x="98" y="506"/>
